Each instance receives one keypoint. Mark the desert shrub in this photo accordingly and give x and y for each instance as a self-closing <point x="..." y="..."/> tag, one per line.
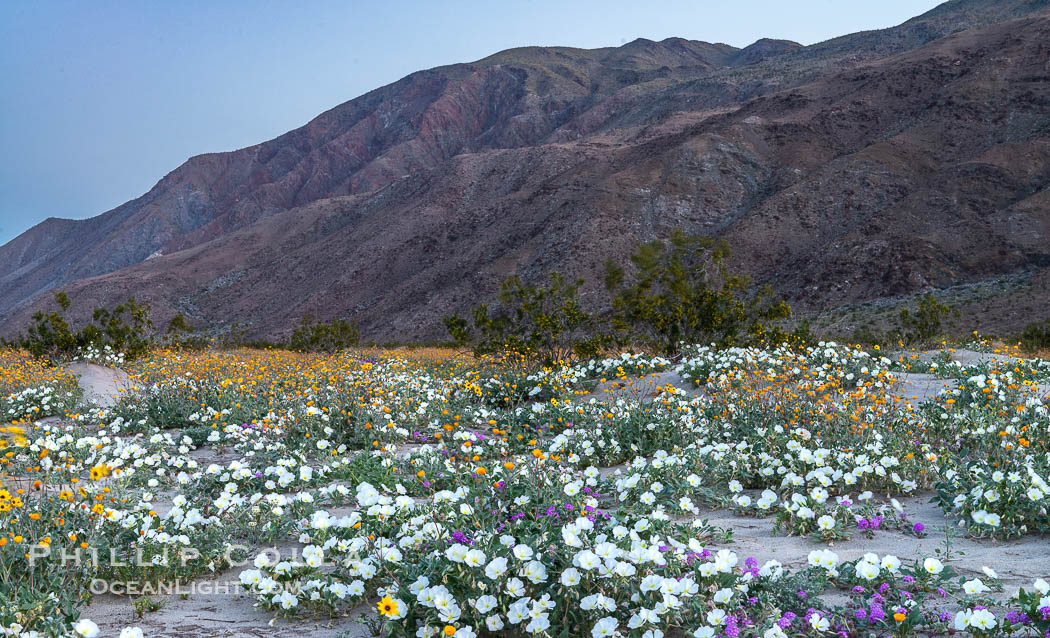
<point x="126" y="328"/>
<point x="237" y="336"/>
<point x="544" y="324"/>
<point x="181" y="336"/>
<point x="682" y="290"/>
<point x="1036" y="336"/>
<point x="929" y="321"/>
<point x="322" y="337"/>
<point x="868" y="336"/>
<point x="49" y="336"/>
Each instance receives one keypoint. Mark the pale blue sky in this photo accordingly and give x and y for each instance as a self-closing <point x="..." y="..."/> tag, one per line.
<point x="101" y="99"/>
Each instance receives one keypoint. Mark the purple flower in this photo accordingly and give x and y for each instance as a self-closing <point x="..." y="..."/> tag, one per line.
<point x="731" y="630"/>
<point x="858" y="589"/>
<point x="1018" y="618"/>
<point x="863" y="524"/>
<point x="860" y="614"/>
<point x="919" y="528"/>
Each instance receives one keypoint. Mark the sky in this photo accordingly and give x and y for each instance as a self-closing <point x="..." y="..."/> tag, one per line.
<point x="101" y="99"/>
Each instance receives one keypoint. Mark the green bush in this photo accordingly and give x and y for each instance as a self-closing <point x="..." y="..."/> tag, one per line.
<point x="322" y="337"/>
<point x="547" y="325"/>
<point x="929" y="321"/>
<point x="181" y="336"/>
<point x="681" y="290"/>
<point x="127" y="328"/>
<point x="50" y="337"/>
<point x="1036" y="336"/>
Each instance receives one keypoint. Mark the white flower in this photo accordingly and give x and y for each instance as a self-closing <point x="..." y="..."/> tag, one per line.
<point x="982" y="619"/>
<point x="496" y="567"/>
<point x="723" y="596"/>
<point x="523" y="552"/>
<point x="485" y="604"/>
<point x="867" y="571"/>
<point x="285" y="599"/>
<point x="819" y="623"/>
<point x="587" y="560"/>
<point x="535" y="572"/>
<point x="933" y="566"/>
<point x="131" y="632"/>
<point x="605" y="627"/>
<point x="975" y="586"/>
<point x="1041" y="586"/>
<point x="494" y="622"/>
<point x="716" y="616"/>
<point x="891" y="563"/>
<point x="86" y="628"/>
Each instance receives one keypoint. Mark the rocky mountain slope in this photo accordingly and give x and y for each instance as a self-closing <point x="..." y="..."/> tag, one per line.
<point x="873" y="165"/>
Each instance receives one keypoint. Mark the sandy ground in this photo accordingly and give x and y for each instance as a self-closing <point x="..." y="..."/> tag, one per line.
<point x="102" y="386"/>
<point x="211" y="607"/>
<point x="209" y="611"/>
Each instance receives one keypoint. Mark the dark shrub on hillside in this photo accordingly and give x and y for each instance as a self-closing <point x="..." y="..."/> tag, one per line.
<point x="126" y="328"/>
<point x="322" y="337"/>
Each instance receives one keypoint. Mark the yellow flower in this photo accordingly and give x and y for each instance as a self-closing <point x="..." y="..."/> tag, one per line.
<point x="388" y="607"/>
<point x="449" y="630"/>
<point x="899" y="617"/>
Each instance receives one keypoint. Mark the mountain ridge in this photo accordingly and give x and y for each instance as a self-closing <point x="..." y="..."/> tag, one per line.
<point x="582" y="132"/>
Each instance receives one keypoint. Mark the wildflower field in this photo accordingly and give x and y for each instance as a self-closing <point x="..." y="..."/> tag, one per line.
<point x="825" y="491"/>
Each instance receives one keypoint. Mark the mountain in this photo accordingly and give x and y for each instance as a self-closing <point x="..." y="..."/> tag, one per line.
<point x="873" y="165"/>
